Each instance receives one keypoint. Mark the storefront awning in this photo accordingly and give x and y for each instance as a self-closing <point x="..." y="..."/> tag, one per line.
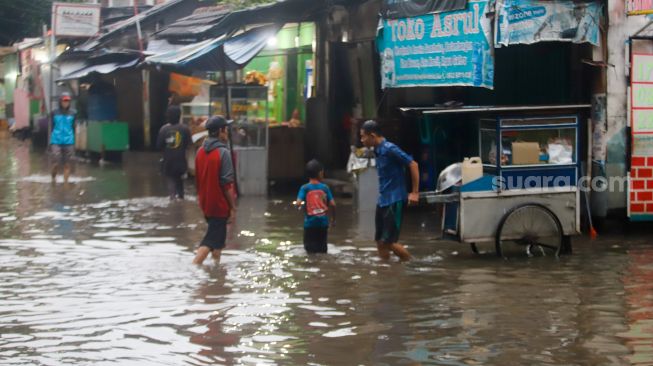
<point x="212" y="22"/>
<point x="114" y="31"/>
<point x="411" y="8"/>
<point x="219" y="53"/>
<point x="482" y="109"/>
<point x="105" y="68"/>
<point x="177" y="56"/>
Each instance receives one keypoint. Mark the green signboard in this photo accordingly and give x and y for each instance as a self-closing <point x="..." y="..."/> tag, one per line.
<point x="642" y="95"/>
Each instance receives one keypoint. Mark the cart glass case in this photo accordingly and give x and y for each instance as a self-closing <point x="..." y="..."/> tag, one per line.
<point x="530" y="152"/>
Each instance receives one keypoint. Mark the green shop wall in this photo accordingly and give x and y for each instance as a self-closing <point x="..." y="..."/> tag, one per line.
<point x="292" y="50"/>
<point x="277" y="98"/>
<point x="10" y="67"/>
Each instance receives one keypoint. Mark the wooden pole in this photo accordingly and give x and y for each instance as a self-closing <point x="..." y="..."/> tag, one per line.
<point x="227" y="110"/>
<point x="138" y="29"/>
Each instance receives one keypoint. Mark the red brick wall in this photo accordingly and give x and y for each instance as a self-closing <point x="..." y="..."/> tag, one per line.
<point x="641" y="186"/>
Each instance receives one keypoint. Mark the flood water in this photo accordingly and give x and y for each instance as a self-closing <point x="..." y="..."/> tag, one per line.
<point x="100" y="273"/>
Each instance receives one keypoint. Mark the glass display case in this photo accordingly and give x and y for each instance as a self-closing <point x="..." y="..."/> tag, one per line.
<point x="248" y="110"/>
<point x="538" y="151"/>
<point x="194" y="115"/>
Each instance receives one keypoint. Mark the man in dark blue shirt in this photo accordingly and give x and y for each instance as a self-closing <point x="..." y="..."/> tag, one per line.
<point x="391" y="162"/>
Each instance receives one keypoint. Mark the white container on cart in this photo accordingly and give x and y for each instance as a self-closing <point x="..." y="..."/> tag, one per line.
<point x="472" y="169"/>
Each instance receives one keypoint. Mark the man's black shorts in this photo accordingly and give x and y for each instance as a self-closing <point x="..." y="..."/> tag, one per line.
<point x="315" y="239"/>
<point x="388" y="222"/>
<point x="216" y="234"/>
<point x="61" y="154"/>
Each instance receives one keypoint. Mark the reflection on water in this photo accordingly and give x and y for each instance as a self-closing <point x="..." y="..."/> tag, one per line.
<point x="638" y="285"/>
<point x="41" y="178"/>
<point x="99" y="273"/>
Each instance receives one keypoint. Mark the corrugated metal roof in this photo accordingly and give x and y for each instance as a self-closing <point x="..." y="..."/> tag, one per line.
<point x="4" y="51"/>
<point x="28" y="43"/>
<point x="202" y="20"/>
<point x="119" y="27"/>
<point x="178" y="55"/>
<point x="218" y="53"/>
<point x="206" y="24"/>
<point x="106" y="68"/>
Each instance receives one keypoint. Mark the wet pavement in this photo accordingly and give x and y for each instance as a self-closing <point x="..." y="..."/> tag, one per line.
<point x="99" y="273"/>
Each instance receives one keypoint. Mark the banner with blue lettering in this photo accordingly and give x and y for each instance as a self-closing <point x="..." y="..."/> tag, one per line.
<point x="531" y="21"/>
<point x="445" y="49"/>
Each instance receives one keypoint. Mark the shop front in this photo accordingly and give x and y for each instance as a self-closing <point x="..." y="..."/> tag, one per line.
<point x="629" y="142"/>
<point x="260" y="78"/>
<point x="29" y="95"/>
<point x="108" y="105"/>
<point x="640" y="173"/>
<point x="508" y="86"/>
<point x="287" y="66"/>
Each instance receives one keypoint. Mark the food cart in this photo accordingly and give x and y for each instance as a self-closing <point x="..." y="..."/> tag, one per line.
<point x="248" y="108"/>
<point x="527" y="201"/>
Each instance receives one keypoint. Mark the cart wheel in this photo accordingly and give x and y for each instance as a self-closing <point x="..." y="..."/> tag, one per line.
<point x="531" y="229"/>
<point x="474" y="248"/>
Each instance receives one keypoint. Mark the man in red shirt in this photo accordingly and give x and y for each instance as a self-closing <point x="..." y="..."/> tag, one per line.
<point x="214" y="176"/>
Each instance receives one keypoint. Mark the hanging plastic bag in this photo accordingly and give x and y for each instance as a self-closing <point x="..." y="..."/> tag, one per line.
<point x="560" y="152"/>
<point x="360" y="159"/>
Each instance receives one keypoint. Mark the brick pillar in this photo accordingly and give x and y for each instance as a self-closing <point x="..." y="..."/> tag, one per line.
<point x="641" y="186"/>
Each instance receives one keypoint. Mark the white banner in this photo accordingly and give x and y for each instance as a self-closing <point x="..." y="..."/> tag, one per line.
<point x="75" y="20"/>
<point x="532" y="21"/>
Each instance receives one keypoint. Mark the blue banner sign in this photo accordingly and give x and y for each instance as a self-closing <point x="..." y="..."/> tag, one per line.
<point x="531" y="21"/>
<point x="444" y="49"/>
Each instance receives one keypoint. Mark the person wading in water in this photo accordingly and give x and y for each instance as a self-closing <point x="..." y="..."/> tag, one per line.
<point x="391" y="162"/>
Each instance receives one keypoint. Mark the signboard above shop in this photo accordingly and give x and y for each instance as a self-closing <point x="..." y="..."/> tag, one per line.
<point x="443" y="49"/>
<point x="642" y="93"/>
<point x="411" y="8"/>
<point x="639" y="7"/>
<point x="532" y="21"/>
<point x="75" y="20"/>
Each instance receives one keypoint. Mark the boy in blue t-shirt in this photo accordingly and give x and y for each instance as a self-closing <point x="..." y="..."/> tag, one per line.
<point x="318" y="203"/>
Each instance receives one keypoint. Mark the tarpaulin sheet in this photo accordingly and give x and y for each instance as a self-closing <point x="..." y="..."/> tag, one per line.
<point x="106" y="68"/>
<point x="410" y="8"/>
<point x="182" y="54"/>
<point x="444" y="49"/>
<point x="219" y="54"/>
<point x="532" y="21"/>
<point x="187" y="86"/>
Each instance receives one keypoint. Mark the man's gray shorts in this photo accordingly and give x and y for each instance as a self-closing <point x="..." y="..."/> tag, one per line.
<point x="61" y="154"/>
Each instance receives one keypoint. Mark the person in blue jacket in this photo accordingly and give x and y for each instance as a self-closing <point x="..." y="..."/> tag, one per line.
<point x="62" y="138"/>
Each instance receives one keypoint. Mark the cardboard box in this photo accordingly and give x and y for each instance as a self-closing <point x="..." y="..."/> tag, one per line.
<point x="525" y="153"/>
